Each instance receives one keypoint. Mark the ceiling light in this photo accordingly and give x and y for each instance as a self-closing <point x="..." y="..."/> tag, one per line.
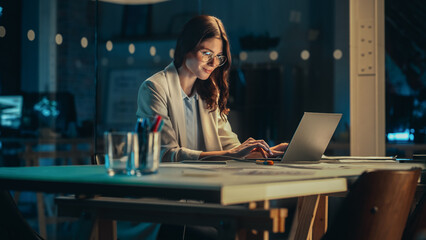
<point x="133" y="2"/>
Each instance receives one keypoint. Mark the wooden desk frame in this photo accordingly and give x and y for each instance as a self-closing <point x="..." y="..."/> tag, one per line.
<point x="256" y="220"/>
<point x="229" y="220"/>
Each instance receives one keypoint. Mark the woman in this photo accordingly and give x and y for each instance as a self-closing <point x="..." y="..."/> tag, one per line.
<point x="191" y="95"/>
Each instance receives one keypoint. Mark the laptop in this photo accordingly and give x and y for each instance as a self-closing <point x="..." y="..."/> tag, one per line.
<point x="311" y="137"/>
<point x="308" y="143"/>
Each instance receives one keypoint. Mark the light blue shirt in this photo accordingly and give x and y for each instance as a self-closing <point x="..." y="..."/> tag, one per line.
<point x="194" y="133"/>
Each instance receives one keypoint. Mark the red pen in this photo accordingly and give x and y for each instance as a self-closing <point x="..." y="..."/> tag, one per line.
<point x="156" y="124"/>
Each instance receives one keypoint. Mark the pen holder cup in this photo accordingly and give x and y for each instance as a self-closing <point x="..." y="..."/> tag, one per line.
<point x="120" y="150"/>
<point x="147" y="155"/>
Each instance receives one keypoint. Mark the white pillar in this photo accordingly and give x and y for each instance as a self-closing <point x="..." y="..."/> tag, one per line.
<point x="367" y="77"/>
<point x="47" y="46"/>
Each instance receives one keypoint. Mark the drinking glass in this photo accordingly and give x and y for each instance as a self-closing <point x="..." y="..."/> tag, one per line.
<point x="120" y="150"/>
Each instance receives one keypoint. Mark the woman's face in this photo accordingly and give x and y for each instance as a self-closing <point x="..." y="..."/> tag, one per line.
<point x="196" y="61"/>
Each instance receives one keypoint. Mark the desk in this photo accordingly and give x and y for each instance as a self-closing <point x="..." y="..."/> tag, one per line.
<point x="224" y="185"/>
<point x="171" y="182"/>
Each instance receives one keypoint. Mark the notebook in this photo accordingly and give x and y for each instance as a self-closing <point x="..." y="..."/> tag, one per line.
<point x="311" y="137"/>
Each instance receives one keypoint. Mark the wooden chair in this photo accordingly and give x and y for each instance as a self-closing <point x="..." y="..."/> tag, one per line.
<point x="32" y="158"/>
<point x="376" y="207"/>
<point x="416" y="224"/>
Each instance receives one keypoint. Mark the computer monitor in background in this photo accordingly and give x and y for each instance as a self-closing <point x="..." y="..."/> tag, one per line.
<point x="54" y="111"/>
<point x="10" y="112"/>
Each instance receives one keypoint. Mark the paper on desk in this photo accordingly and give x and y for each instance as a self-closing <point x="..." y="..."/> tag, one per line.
<point x="347" y="159"/>
<point x="187" y="165"/>
<point x="198" y="173"/>
<point x="271" y="172"/>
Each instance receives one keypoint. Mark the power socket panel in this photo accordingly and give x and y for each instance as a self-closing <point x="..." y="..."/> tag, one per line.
<point x="366" y="48"/>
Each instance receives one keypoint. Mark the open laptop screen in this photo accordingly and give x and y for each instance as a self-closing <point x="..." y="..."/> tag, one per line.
<point x="311" y="137"/>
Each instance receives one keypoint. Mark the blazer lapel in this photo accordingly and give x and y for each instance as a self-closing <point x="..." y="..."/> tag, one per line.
<point x="176" y="110"/>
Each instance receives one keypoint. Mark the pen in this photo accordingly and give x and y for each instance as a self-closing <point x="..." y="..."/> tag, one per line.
<point x="161" y="125"/>
<point x="156" y="123"/>
<point x="265" y="162"/>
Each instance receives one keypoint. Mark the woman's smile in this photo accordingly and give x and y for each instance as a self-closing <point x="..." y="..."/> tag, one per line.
<point x="208" y="71"/>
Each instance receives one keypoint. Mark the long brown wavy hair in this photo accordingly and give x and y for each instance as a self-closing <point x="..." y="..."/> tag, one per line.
<point x="215" y="90"/>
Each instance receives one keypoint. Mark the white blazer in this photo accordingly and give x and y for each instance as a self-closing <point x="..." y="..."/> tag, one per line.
<point x="161" y="94"/>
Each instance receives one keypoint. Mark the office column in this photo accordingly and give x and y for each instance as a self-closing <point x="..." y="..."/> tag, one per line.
<point x="47" y="46"/>
<point x="38" y="53"/>
<point x="367" y="77"/>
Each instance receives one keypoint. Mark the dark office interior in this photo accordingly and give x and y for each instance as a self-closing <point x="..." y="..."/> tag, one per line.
<point x="70" y="70"/>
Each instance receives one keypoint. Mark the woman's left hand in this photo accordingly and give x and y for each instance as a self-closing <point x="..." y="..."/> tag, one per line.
<point x="280" y="147"/>
<point x="276" y="150"/>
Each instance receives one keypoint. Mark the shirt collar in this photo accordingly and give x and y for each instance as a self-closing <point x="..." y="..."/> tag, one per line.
<point x="184" y="96"/>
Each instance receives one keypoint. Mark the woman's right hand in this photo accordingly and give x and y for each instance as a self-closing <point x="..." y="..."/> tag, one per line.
<point x="247" y="147"/>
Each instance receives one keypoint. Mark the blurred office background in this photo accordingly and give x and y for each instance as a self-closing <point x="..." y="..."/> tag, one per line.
<point x="288" y="57"/>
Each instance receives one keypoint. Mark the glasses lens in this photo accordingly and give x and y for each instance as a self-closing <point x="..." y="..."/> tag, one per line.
<point x="206" y="56"/>
<point x="222" y="60"/>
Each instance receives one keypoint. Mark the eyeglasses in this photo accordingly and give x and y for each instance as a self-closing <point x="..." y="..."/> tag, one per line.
<point x="207" y="56"/>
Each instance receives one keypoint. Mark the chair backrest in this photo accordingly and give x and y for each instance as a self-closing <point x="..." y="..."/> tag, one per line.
<point x="416" y="224"/>
<point x="376" y="207"/>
